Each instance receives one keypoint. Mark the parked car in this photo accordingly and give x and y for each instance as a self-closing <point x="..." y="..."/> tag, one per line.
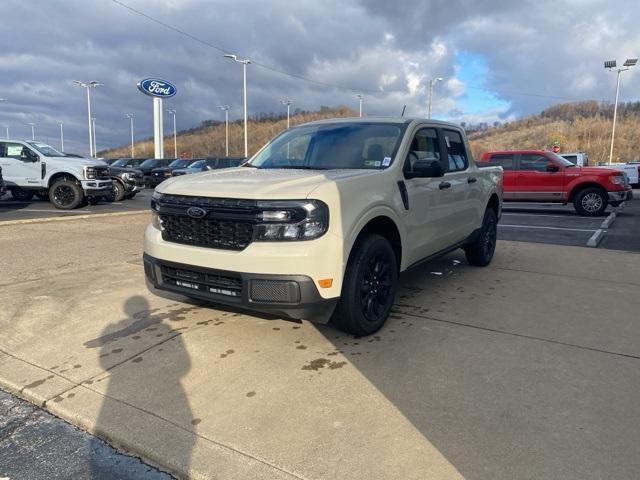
<point x="159" y="174"/>
<point x="211" y="163"/>
<point x="320" y="222"/>
<point x="126" y="183"/>
<point x="542" y="176"/>
<point x="3" y="188"/>
<point x="631" y="171"/>
<point x="149" y="164"/>
<point x="580" y="159"/>
<point x="31" y="167"/>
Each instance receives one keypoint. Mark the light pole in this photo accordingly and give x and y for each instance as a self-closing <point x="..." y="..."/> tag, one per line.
<point x="611" y="65"/>
<point x="226" y="127"/>
<point x="89" y="86"/>
<point x="7" y="127"/>
<point x="360" y="98"/>
<point x="244" y="63"/>
<point x="175" y="141"/>
<point x="131" y="116"/>
<point x="33" y="130"/>
<point x="93" y="130"/>
<point x="61" y="136"/>
<point x="432" y="82"/>
<point x="287" y="102"/>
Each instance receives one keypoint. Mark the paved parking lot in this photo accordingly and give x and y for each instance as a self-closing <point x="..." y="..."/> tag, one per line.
<point x="525" y="369"/>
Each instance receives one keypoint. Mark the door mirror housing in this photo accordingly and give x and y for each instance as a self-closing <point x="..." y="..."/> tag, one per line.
<point x="425" y="169"/>
<point x="552" y="167"/>
<point x="28" y="156"/>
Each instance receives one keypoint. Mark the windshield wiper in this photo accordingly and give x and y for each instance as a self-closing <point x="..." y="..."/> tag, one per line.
<point x="302" y="167"/>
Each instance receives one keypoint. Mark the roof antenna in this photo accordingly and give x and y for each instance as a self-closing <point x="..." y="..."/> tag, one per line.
<point x="403" y="109"/>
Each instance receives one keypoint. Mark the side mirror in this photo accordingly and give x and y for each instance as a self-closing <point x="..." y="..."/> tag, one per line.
<point x="552" y="167"/>
<point x="425" y="169"/>
<point x="28" y="156"/>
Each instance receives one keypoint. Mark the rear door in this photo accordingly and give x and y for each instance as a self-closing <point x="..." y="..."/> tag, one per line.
<point x="508" y="163"/>
<point x="17" y="171"/>
<point x="535" y="183"/>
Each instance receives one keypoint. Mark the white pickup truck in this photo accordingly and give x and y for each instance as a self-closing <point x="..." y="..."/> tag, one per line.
<point x="35" y="168"/>
<point x="322" y="220"/>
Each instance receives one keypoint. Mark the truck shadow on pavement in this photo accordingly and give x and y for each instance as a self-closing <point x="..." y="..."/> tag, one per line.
<point x="126" y="385"/>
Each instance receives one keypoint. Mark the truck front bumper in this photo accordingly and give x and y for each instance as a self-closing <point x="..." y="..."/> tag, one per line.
<point x="621" y="196"/>
<point x="292" y="296"/>
<point x="95" y="188"/>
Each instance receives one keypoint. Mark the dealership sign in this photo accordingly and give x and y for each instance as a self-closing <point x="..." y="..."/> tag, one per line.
<point x="154" y="87"/>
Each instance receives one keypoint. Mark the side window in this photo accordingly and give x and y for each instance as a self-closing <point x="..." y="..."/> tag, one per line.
<point x="11" y="150"/>
<point x="424" y="146"/>
<point x="535" y="162"/>
<point x="456" y="152"/>
<point x="3" y="149"/>
<point x="504" y="160"/>
<point x="223" y="163"/>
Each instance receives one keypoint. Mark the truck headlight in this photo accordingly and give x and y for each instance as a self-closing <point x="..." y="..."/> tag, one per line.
<point x="284" y="220"/>
<point x="90" y="173"/>
<point x="617" y="179"/>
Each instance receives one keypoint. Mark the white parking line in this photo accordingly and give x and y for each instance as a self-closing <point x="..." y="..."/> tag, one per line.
<point x="548" y="228"/>
<point x="52" y="211"/>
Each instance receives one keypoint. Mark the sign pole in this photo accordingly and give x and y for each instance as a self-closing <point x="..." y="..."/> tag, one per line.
<point x="158" y="134"/>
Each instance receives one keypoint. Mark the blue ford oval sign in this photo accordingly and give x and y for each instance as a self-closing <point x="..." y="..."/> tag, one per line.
<point x="154" y="87"/>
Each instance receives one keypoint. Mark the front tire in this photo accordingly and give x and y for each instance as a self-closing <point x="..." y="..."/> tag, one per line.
<point x="369" y="287"/>
<point x="117" y="192"/>
<point x="591" y="202"/>
<point x="66" y="194"/>
<point x="21" y="194"/>
<point x="480" y="251"/>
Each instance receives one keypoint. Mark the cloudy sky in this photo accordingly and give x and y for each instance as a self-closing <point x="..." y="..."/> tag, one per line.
<point x="499" y="59"/>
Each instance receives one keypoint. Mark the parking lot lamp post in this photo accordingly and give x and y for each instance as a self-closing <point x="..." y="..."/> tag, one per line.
<point x="226" y="127"/>
<point x="61" y="136"/>
<point x="33" y="130"/>
<point x="244" y="63"/>
<point x="89" y="86"/>
<point x="611" y="65"/>
<point x="130" y="116"/>
<point x="360" y="98"/>
<point x="7" y="128"/>
<point x="93" y="130"/>
<point x="287" y="102"/>
<point x="432" y="82"/>
<point x="172" y="111"/>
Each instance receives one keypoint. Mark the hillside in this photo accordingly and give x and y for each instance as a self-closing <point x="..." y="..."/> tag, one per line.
<point x="209" y="139"/>
<point x="582" y="126"/>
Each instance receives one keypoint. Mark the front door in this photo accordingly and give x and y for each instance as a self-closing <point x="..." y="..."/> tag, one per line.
<point x="16" y="170"/>
<point x="535" y="183"/>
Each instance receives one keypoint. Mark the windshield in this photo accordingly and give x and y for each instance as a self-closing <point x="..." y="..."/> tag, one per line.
<point x="562" y="161"/>
<point x="149" y="163"/>
<point x="122" y="162"/>
<point x="46" y="150"/>
<point x="180" y="163"/>
<point x="332" y="147"/>
<point x="197" y="164"/>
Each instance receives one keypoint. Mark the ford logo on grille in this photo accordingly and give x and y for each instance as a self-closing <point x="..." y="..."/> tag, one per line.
<point x="196" y="212"/>
<point x="155" y="87"/>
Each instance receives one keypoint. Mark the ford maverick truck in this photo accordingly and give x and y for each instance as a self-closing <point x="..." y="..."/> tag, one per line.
<point x="319" y="224"/>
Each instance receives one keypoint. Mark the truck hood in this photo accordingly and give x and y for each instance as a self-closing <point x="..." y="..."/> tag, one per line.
<point x="256" y="183"/>
<point x="596" y="170"/>
<point x="79" y="162"/>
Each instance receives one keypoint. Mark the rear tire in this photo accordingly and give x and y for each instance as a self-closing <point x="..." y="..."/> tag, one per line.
<point x="66" y="194"/>
<point x="591" y="202"/>
<point x="369" y="287"/>
<point x="480" y="251"/>
<point x="21" y="194"/>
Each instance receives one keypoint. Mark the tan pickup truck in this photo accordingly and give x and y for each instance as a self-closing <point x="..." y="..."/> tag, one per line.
<point x="319" y="224"/>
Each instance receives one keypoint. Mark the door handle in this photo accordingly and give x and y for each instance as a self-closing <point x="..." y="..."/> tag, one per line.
<point x="444" y="185"/>
<point x="472" y="180"/>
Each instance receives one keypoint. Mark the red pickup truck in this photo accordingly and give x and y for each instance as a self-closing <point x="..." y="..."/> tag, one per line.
<point x="542" y="176"/>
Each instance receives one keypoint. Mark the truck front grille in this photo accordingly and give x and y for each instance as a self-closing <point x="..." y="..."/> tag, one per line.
<point x="203" y="282"/>
<point x="207" y="232"/>
<point x="102" y="173"/>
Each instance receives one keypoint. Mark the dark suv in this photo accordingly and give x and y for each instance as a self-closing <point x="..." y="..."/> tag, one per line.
<point x="126" y="183"/>
<point x="149" y="164"/>
<point x="209" y="163"/>
<point x="161" y="173"/>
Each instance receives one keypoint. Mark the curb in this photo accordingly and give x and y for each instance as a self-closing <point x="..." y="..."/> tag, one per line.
<point x="606" y="223"/>
<point x="71" y="217"/>
<point x="596" y="238"/>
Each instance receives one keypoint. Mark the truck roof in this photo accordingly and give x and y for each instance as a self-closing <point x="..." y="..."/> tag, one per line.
<point x="398" y="120"/>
